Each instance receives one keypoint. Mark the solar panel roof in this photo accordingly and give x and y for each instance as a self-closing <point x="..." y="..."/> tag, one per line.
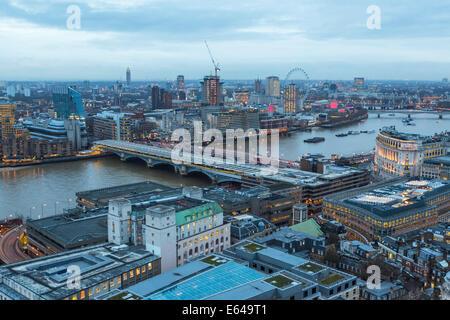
<point x="211" y="282"/>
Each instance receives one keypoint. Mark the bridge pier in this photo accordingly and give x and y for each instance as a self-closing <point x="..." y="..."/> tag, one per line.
<point x="184" y="170"/>
<point x="150" y="163"/>
<point x="122" y="157"/>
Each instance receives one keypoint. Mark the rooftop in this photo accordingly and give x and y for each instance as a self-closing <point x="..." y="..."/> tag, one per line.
<point x="393" y="133"/>
<point x="310" y="267"/>
<point x="209" y="283"/>
<point x="47" y="276"/>
<point x="122" y="191"/>
<point x="388" y="198"/>
<point x="73" y="229"/>
<point x="310" y="227"/>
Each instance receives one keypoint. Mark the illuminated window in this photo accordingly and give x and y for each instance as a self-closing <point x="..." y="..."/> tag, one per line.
<point x="105" y="285"/>
<point x="97" y="289"/>
<point x="74" y="298"/>
<point x="149" y="267"/>
<point x="82" y="296"/>
<point x="111" y="283"/>
<point x="124" y="276"/>
<point x="90" y="292"/>
<point x="131" y="274"/>
<point x="138" y="271"/>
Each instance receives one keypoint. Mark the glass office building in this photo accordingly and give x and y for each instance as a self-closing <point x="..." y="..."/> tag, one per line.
<point x="68" y="104"/>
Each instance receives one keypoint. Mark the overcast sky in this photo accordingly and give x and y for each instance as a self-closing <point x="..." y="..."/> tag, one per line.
<point x="160" y="39"/>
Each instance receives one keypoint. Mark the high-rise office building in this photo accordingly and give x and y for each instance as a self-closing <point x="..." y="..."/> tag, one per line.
<point x="155" y="97"/>
<point x="236" y="119"/>
<point x="128" y="76"/>
<point x="180" y="82"/>
<point x="166" y="99"/>
<point x="6" y="119"/>
<point x="212" y="91"/>
<point x="114" y="126"/>
<point x="258" y="86"/>
<point x="11" y="91"/>
<point x="273" y="86"/>
<point x="290" y="99"/>
<point x="8" y="128"/>
<point x="68" y="104"/>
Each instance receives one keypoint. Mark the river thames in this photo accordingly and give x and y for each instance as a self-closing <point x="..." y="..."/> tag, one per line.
<point x="46" y="189"/>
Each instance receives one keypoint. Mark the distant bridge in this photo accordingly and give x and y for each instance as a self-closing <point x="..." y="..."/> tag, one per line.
<point x="157" y="156"/>
<point x="411" y="111"/>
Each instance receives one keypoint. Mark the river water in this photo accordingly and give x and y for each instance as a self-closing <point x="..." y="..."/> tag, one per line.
<point x="46" y="189"/>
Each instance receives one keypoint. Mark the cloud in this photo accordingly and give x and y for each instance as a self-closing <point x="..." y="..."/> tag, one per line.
<point x="162" y="38"/>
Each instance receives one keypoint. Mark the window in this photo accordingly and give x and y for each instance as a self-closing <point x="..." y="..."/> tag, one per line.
<point x="82" y="296"/>
<point x="131" y="274"/>
<point x="90" y="292"/>
<point x="105" y="285"/>
<point x="138" y="271"/>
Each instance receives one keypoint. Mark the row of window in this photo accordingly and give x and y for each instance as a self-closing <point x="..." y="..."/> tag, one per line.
<point x="113" y="282"/>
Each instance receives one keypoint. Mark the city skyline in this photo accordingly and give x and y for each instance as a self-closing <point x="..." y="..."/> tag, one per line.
<point x="160" y="40"/>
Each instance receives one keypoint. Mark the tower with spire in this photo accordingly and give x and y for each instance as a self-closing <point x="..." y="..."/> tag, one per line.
<point x="128" y="76"/>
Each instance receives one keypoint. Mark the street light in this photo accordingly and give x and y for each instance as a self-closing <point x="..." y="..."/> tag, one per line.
<point x="31" y="214"/>
<point x="56" y="203"/>
<point x="43" y="205"/>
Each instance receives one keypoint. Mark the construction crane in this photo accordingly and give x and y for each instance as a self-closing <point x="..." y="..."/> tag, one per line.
<point x="216" y="65"/>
